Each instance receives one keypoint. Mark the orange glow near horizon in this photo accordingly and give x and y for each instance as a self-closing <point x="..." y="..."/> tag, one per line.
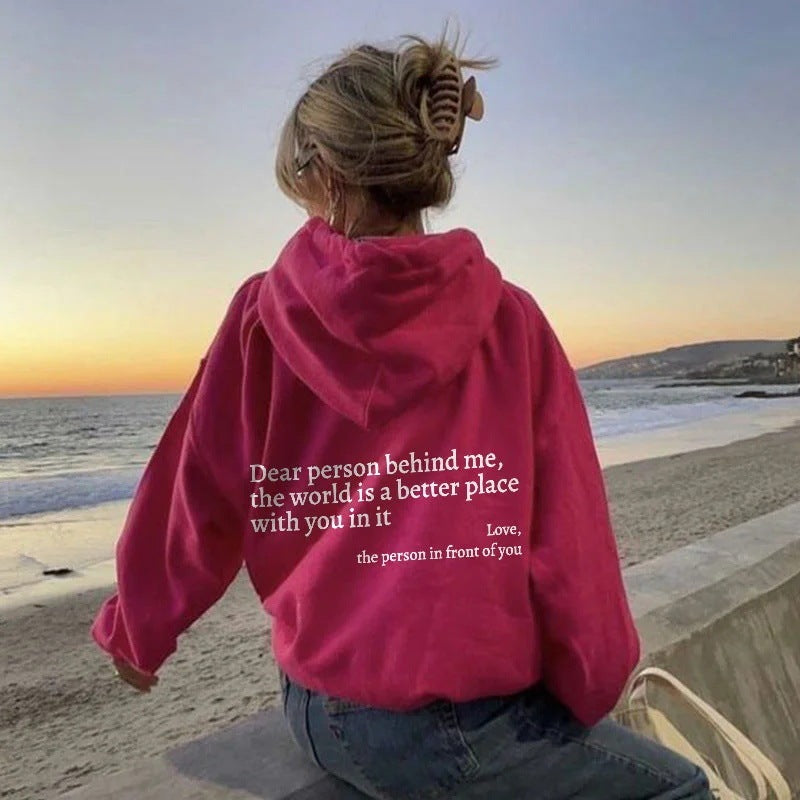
<point x="126" y="326"/>
<point x="94" y="336"/>
<point x="103" y="375"/>
<point x="138" y="370"/>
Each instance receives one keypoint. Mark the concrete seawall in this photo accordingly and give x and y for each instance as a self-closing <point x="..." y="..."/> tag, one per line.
<point x="722" y="614"/>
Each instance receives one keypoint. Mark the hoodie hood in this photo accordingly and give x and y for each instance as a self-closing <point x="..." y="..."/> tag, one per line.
<point x="369" y="325"/>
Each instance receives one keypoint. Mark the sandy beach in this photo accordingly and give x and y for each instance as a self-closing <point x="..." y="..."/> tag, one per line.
<point x="65" y="717"/>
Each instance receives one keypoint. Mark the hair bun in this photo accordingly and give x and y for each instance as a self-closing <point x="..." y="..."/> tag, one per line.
<point x="383" y="122"/>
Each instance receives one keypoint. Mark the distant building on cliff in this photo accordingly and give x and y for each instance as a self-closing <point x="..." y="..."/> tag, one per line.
<point x="787" y="366"/>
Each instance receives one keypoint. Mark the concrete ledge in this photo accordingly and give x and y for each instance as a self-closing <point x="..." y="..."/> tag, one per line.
<point x="666" y="579"/>
<point x="722" y="614"/>
<point x="253" y="759"/>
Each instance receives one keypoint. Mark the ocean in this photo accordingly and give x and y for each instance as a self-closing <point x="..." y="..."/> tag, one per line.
<point x="69" y="465"/>
<point x="61" y="453"/>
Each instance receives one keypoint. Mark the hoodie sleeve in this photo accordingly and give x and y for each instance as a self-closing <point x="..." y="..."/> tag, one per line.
<point x="181" y="543"/>
<point x="589" y="641"/>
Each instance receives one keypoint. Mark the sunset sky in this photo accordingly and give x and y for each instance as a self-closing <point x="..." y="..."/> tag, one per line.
<point x="637" y="170"/>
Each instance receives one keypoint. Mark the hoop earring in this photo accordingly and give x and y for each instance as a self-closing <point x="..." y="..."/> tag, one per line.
<point x="356" y="220"/>
<point x="333" y="203"/>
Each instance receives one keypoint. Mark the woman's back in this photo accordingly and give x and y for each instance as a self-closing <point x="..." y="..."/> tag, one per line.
<point x="422" y="392"/>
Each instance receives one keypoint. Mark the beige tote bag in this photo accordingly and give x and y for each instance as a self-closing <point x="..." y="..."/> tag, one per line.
<point x="637" y="713"/>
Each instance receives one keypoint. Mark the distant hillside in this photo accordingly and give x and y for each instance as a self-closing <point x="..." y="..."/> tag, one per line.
<point x="677" y="362"/>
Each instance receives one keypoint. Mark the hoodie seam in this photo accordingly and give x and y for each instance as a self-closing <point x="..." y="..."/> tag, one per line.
<point x="369" y="396"/>
<point x="208" y="470"/>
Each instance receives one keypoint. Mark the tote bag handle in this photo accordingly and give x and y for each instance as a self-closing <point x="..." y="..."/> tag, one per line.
<point x="761" y="768"/>
<point x="667" y="734"/>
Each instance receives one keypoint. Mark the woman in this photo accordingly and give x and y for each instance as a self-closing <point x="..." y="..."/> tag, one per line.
<point x="391" y="439"/>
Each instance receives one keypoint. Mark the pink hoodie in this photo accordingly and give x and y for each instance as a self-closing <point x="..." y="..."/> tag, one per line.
<point x="391" y="439"/>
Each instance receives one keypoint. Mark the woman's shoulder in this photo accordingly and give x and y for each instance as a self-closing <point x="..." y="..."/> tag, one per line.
<point x="247" y="291"/>
<point x="547" y="349"/>
<point x="242" y="308"/>
<point x="525" y="301"/>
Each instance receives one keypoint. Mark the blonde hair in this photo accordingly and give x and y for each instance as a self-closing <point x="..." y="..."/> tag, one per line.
<point x="367" y="119"/>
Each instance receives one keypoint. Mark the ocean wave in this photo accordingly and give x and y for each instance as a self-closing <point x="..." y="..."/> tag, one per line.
<point x="614" y="422"/>
<point x="31" y="495"/>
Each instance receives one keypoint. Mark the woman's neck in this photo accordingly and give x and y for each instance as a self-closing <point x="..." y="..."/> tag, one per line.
<point x="385" y="227"/>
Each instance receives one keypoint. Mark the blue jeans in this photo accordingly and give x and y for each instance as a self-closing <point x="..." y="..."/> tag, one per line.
<point x="525" y="745"/>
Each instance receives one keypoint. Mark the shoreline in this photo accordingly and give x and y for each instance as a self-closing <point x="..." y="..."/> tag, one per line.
<point x="700" y="434"/>
<point x="65" y="718"/>
<point x="81" y="539"/>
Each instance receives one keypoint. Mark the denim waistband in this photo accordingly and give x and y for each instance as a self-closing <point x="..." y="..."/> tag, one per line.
<point x="285" y="680"/>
